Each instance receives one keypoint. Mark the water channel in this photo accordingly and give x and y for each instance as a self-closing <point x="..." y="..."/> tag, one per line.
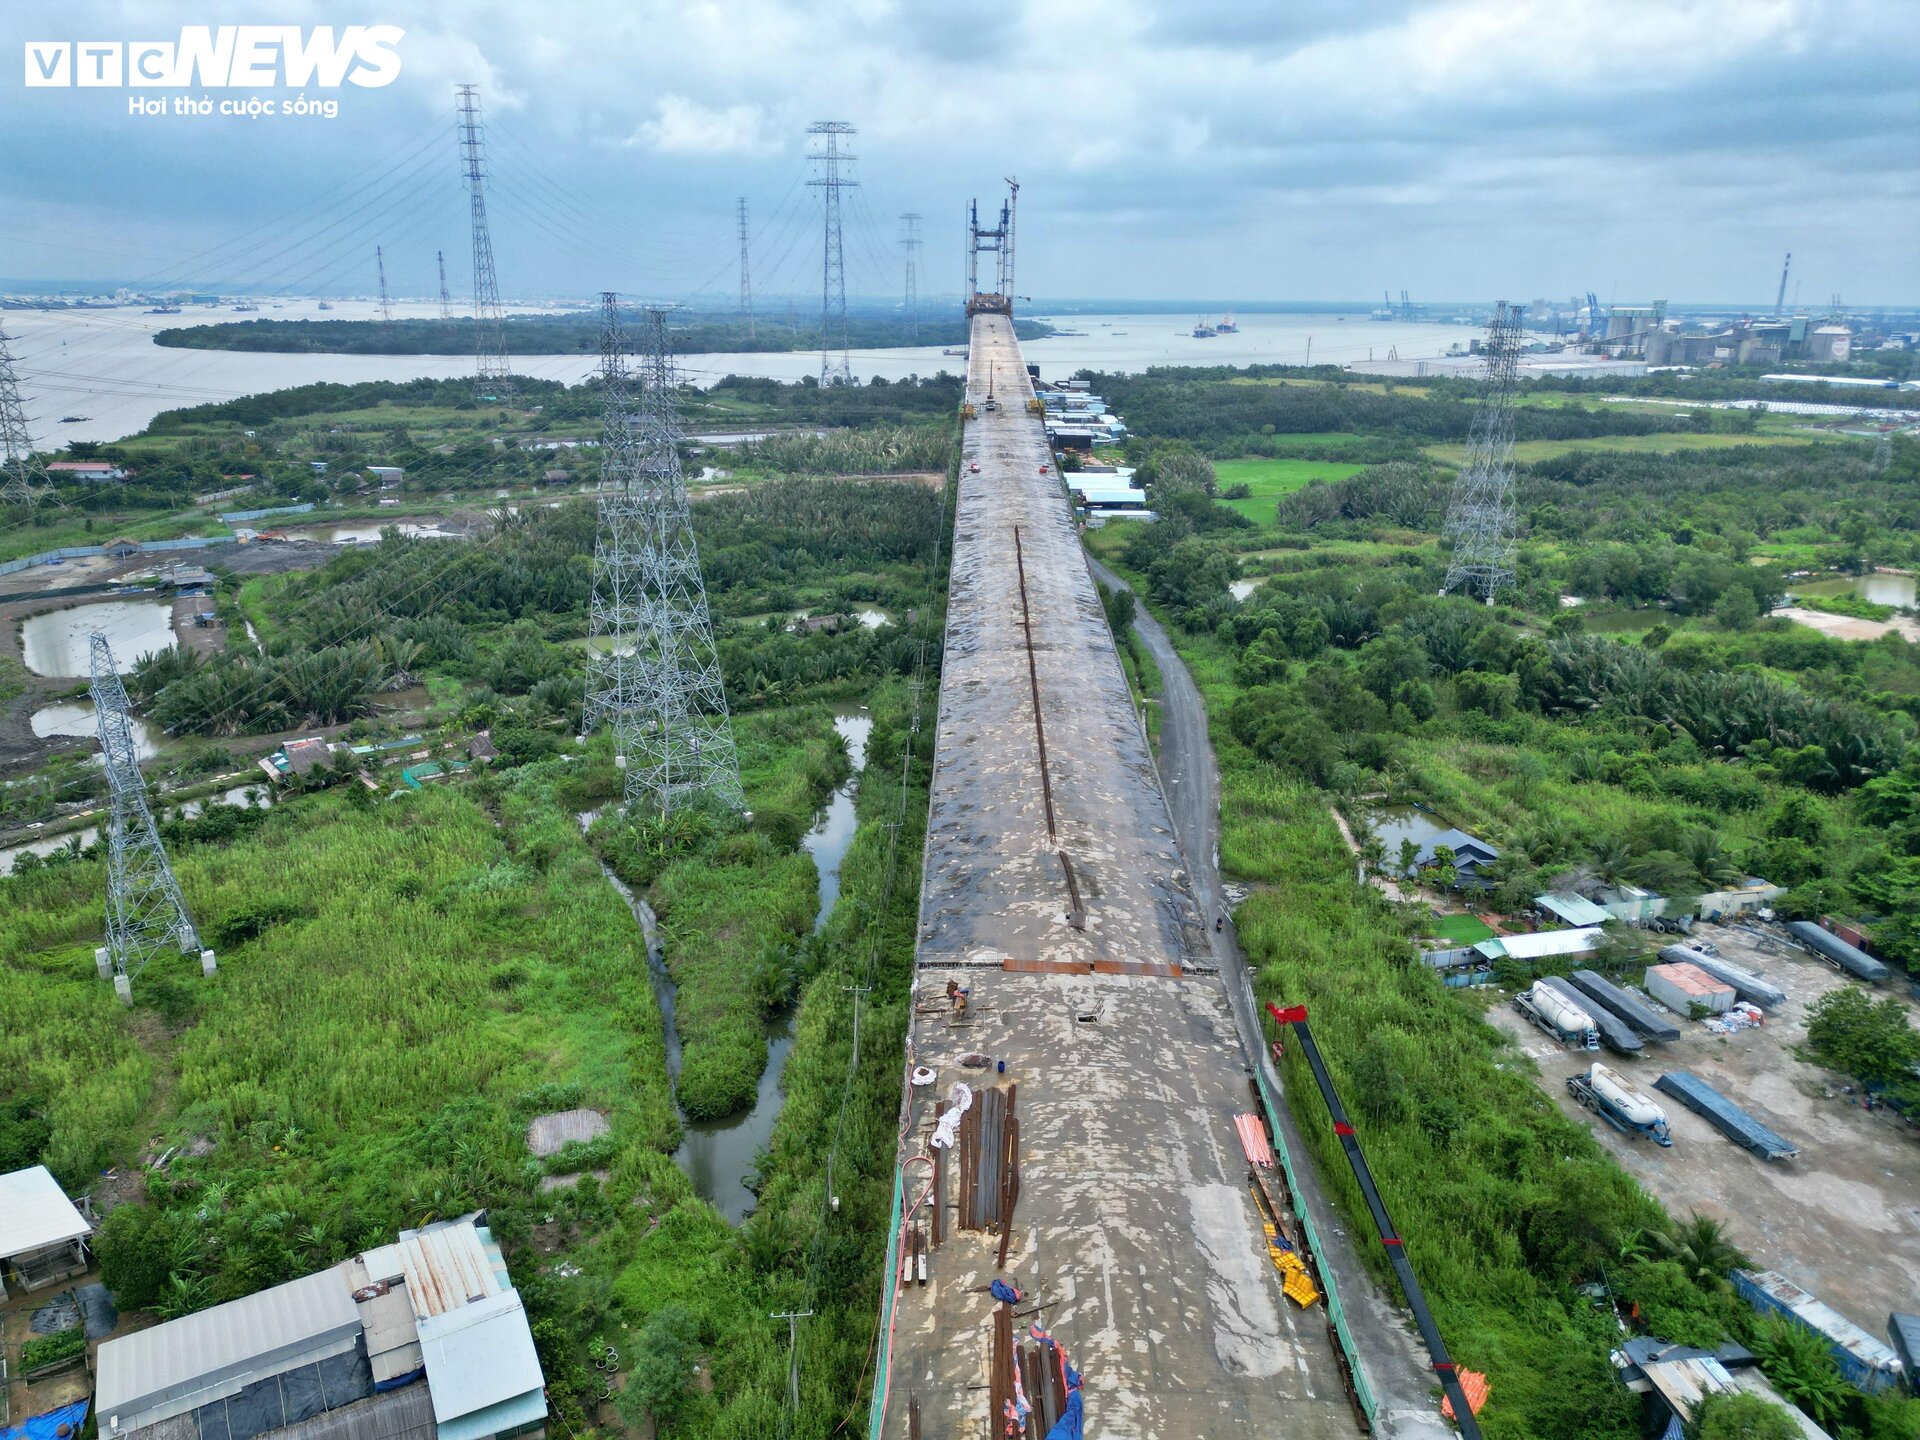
<point x="75" y="718"/>
<point x="56" y="643"/>
<point x="719" y="1156"/>
<point x="1881" y="589"/>
<point x="259" y="796"/>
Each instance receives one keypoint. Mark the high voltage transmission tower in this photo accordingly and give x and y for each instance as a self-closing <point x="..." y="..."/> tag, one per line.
<point x="1480" y="512"/>
<point x="446" y="300"/>
<point x="380" y="259"/>
<point x="746" y="279"/>
<point x="835" y="369"/>
<point x="653" y="671"/>
<point x="491" y="380"/>
<point x="910" y="246"/>
<point x="145" y="910"/>
<point x="23" y="480"/>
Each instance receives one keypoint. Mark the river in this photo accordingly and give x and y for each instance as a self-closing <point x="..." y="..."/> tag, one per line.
<point x="102" y="369"/>
<point x="720" y="1156"/>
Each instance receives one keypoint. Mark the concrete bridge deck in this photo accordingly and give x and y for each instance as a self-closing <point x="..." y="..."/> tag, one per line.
<point x="1135" y="1226"/>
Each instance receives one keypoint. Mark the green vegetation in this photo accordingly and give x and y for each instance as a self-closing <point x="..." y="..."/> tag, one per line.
<point x="1706" y="744"/>
<point x="1741" y="1417"/>
<point x="1872" y="1041"/>
<point x="1268" y="480"/>
<point x="44" y="1350"/>
<point x="576" y="333"/>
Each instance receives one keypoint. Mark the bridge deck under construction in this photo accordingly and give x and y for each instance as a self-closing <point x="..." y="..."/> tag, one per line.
<point x="1054" y="891"/>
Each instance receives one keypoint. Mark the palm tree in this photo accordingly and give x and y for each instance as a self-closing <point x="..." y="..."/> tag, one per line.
<point x="1801" y="1367"/>
<point x="1701" y="1248"/>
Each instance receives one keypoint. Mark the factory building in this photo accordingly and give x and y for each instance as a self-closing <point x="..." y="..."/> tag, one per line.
<point x="423" y="1339"/>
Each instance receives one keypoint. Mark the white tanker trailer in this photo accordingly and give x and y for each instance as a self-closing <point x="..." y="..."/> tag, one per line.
<point x="1615" y="1099"/>
<point x="1558" y="1016"/>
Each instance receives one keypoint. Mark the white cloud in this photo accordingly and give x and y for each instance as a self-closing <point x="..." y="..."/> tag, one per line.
<point x="686" y="127"/>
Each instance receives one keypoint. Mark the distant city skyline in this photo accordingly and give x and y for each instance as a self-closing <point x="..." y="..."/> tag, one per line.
<point x="1317" y="151"/>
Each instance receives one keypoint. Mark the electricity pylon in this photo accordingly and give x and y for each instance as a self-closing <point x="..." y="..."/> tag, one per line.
<point x="910" y="244"/>
<point x="380" y="259"/>
<point x="653" y="671"/>
<point x="746" y="278"/>
<point x="22" y="480"/>
<point x="836" y="366"/>
<point x="491" y="380"/>
<point x="145" y="910"/>
<point x="446" y="300"/>
<point x="1480" y="512"/>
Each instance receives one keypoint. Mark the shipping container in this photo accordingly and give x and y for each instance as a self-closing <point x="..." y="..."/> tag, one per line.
<point x="1903" y="1331"/>
<point x="1867" y="1364"/>
<point x="1752" y="988"/>
<point x="1628" y="1006"/>
<point x="1831" y="947"/>
<point x="1725" y="1116"/>
<point x="1681" y="987"/>
<point x="1615" y="1033"/>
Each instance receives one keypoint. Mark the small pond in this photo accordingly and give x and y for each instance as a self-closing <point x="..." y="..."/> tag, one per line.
<point x="57" y="643"/>
<point x="1394" y="823"/>
<point x="1880" y="589"/>
<point x="75" y="718"/>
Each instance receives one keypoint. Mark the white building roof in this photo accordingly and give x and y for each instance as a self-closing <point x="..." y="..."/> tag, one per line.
<point x="479" y="1355"/>
<point x="1546" y="942"/>
<point x="445" y="1267"/>
<point x="35" y="1213"/>
<point x="186" y="1363"/>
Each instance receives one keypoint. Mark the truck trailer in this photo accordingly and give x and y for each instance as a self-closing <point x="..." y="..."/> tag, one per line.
<point x="1629" y="1007"/>
<point x="1725" y="1116"/>
<point x="1619" y="1102"/>
<point x="1558" y="1016"/>
<point x="1615" y="1033"/>
<point x="1832" y="948"/>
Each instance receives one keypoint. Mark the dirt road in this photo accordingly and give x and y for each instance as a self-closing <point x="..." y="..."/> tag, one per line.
<point x="1395" y="1364"/>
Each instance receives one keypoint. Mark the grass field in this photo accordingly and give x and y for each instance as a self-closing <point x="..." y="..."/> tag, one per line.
<point x="1661" y="444"/>
<point x="1461" y="929"/>
<point x="1271" y="479"/>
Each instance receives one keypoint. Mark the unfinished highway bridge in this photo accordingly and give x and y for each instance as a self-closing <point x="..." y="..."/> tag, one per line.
<point x="1081" y="1179"/>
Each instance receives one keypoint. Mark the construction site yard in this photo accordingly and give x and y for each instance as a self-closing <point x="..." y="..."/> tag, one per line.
<point x="1841" y="1220"/>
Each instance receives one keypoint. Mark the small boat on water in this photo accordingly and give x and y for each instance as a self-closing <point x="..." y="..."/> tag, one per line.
<point x="1203" y="331"/>
<point x="1227" y="325"/>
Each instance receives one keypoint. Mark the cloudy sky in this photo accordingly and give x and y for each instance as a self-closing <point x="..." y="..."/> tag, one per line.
<point x="1208" y="149"/>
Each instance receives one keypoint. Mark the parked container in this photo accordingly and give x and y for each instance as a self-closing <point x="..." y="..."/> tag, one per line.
<point x="1615" y="1033"/>
<point x="1681" y="987"/>
<point x="1829" y="946"/>
<point x="1725" y="1116"/>
<point x="1867" y="1364"/>
<point x="1903" y="1333"/>
<point x="1750" y="987"/>
<point x="1629" y="1007"/>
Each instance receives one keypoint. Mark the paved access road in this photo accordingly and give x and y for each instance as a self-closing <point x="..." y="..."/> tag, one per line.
<point x="1390" y="1351"/>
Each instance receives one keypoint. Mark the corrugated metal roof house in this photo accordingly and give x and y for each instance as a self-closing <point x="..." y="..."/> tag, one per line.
<point x="42" y="1235"/>
<point x="327" y="1357"/>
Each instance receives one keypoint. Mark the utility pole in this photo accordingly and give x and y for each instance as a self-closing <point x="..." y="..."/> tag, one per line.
<point x="746" y="279"/>
<point x="793" y="1319"/>
<point x="491" y="380"/>
<point x="386" y="310"/>
<point x="22" y="479"/>
<point x="653" y="670"/>
<point x="834" y="369"/>
<point x="857" y="991"/>
<point x="1480" y="512"/>
<point x="145" y="910"/>
<point x="446" y="301"/>
<point x="910" y="243"/>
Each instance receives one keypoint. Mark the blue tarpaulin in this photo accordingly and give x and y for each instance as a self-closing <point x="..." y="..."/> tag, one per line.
<point x="1001" y="1290"/>
<point x="1070" y="1424"/>
<point x="47" y="1426"/>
